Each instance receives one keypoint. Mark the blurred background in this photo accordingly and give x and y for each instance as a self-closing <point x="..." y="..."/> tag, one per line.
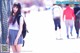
<point x="39" y="19"/>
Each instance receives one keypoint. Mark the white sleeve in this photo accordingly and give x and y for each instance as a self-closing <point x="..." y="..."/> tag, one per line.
<point x="21" y="20"/>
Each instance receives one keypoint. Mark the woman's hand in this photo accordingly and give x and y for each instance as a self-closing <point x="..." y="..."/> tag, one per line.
<point x="16" y="41"/>
<point x="7" y="41"/>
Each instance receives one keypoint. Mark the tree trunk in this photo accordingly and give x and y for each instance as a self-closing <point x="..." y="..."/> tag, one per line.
<point x="4" y="13"/>
<point x="4" y="23"/>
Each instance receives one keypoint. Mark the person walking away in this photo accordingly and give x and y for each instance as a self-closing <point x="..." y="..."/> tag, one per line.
<point x="77" y="18"/>
<point x="57" y="14"/>
<point x="68" y="16"/>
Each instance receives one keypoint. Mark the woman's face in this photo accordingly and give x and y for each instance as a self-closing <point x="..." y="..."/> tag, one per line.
<point x="15" y="9"/>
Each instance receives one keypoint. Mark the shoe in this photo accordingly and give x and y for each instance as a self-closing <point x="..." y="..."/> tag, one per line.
<point x="68" y="36"/>
<point x="59" y="38"/>
<point x="71" y="34"/>
<point x="77" y="36"/>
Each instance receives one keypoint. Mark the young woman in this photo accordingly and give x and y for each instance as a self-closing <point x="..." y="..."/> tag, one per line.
<point x="14" y="38"/>
<point x="68" y="16"/>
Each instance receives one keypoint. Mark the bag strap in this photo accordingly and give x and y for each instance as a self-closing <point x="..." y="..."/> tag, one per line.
<point x="77" y="12"/>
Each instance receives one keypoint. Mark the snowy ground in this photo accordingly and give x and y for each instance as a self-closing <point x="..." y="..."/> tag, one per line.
<point x="42" y="38"/>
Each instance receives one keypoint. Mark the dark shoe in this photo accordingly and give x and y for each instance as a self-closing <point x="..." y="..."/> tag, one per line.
<point x="68" y="36"/>
<point x="77" y="36"/>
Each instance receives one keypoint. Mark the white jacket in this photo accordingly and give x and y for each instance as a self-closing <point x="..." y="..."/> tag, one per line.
<point x="57" y="11"/>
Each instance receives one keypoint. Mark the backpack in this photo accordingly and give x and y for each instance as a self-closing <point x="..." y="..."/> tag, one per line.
<point x="24" y="30"/>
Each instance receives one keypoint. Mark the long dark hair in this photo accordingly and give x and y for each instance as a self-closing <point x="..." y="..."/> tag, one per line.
<point x="17" y="15"/>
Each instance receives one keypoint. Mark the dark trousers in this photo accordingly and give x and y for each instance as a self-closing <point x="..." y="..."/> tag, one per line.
<point x="77" y="26"/>
<point x="57" y="23"/>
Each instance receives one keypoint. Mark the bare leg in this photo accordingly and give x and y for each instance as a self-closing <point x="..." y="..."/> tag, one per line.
<point x="18" y="48"/>
<point x="14" y="49"/>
